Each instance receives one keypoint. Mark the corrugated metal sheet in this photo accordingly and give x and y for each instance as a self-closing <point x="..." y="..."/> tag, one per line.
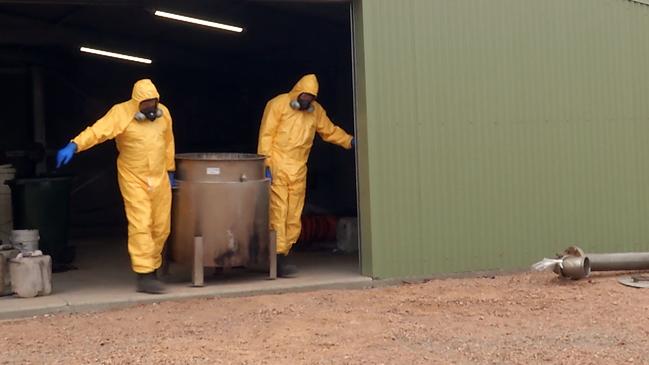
<point x="498" y="132"/>
<point x="362" y="160"/>
<point x="644" y="2"/>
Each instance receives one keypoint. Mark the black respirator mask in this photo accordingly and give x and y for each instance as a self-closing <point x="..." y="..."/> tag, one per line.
<point x="302" y="105"/>
<point x="148" y="113"/>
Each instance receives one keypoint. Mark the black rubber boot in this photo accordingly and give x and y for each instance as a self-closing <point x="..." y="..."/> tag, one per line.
<point x="160" y="274"/>
<point x="149" y="283"/>
<point x="284" y="269"/>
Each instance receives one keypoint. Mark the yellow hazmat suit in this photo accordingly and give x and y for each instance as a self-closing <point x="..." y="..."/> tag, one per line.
<point x="285" y="138"/>
<point x="146" y="153"/>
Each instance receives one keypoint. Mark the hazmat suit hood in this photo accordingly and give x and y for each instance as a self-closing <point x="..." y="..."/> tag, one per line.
<point x="307" y="84"/>
<point x="144" y="90"/>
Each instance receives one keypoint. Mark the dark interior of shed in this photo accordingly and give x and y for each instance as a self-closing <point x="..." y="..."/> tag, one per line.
<point x="214" y="82"/>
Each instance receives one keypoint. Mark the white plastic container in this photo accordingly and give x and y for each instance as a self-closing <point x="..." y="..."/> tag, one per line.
<point x="26" y="240"/>
<point x="31" y="276"/>
<point x="6" y="223"/>
<point x="347" y="235"/>
<point x="6" y="253"/>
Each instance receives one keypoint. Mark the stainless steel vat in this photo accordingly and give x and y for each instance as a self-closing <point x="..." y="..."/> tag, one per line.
<point x="223" y="199"/>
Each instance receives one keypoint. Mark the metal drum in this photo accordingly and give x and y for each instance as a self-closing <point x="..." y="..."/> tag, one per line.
<point x="223" y="199"/>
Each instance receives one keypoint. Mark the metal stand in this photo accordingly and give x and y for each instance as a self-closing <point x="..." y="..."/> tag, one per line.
<point x="198" y="274"/>
<point x="164" y="268"/>
<point x="272" y="256"/>
<point x="198" y="278"/>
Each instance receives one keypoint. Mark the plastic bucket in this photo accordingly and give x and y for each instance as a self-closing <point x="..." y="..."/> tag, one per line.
<point x="26" y="240"/>
<point x="43" y="204"/>
<point x="347" y="235"/>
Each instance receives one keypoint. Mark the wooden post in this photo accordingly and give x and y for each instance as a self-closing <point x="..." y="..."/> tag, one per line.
<point x="197" y="272"/>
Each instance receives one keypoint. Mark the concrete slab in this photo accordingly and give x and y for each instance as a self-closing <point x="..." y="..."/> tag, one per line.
<point x="104" y="281"/>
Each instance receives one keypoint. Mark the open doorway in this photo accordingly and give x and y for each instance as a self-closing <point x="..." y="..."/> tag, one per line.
<point x="215" y="83"/>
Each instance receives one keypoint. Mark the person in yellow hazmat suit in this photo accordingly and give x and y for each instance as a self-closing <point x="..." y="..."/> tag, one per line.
<point x="286" y="135"/>
<point x="142" y="129"/>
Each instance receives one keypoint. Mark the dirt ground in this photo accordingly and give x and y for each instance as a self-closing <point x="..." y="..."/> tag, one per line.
<point x="519" y="319"/>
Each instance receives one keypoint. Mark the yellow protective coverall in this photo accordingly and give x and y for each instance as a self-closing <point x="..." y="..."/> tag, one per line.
<point x="285" y="138"/>
<point x="146" y="154"/>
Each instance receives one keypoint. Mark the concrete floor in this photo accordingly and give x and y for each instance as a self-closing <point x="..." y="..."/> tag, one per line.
<point x="104" y="280"/>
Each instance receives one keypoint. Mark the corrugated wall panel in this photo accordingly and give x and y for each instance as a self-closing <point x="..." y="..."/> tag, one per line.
<point x="499" y="132"/>
<point x="362" y="159"/>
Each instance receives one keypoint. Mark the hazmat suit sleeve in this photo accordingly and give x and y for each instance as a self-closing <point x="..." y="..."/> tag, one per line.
<point x="331" y="133"/>
<point x="171" y="146"/>
<point x="269" y="124"/>
<point x="108" y="127"/>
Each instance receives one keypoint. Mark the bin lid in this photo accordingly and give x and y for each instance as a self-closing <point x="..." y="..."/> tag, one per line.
<point x="38" y="180"/>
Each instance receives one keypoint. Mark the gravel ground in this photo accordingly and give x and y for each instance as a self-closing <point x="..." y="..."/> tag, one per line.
<point x="519" y="319"/>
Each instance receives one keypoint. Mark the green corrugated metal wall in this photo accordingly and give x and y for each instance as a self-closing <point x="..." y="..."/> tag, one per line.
<point x="499" y="132"/>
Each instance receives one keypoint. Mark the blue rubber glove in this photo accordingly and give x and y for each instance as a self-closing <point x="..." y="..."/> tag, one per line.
<point x="269" y="175"/>
<point x="65" y="154"/>
<point x="172" y="179"/>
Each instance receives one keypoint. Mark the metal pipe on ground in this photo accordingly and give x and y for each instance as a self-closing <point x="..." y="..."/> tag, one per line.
<point x="619" y="261"/>
<point x="577" y="265"/>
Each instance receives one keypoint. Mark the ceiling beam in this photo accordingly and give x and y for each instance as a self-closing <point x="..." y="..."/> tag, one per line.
<point x="77" y="2"/>
<point x="37" y="32"/>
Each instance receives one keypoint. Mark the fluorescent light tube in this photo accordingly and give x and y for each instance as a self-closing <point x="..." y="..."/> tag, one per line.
<point x="115" y="55"/>
<point x="206" y="23"/>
